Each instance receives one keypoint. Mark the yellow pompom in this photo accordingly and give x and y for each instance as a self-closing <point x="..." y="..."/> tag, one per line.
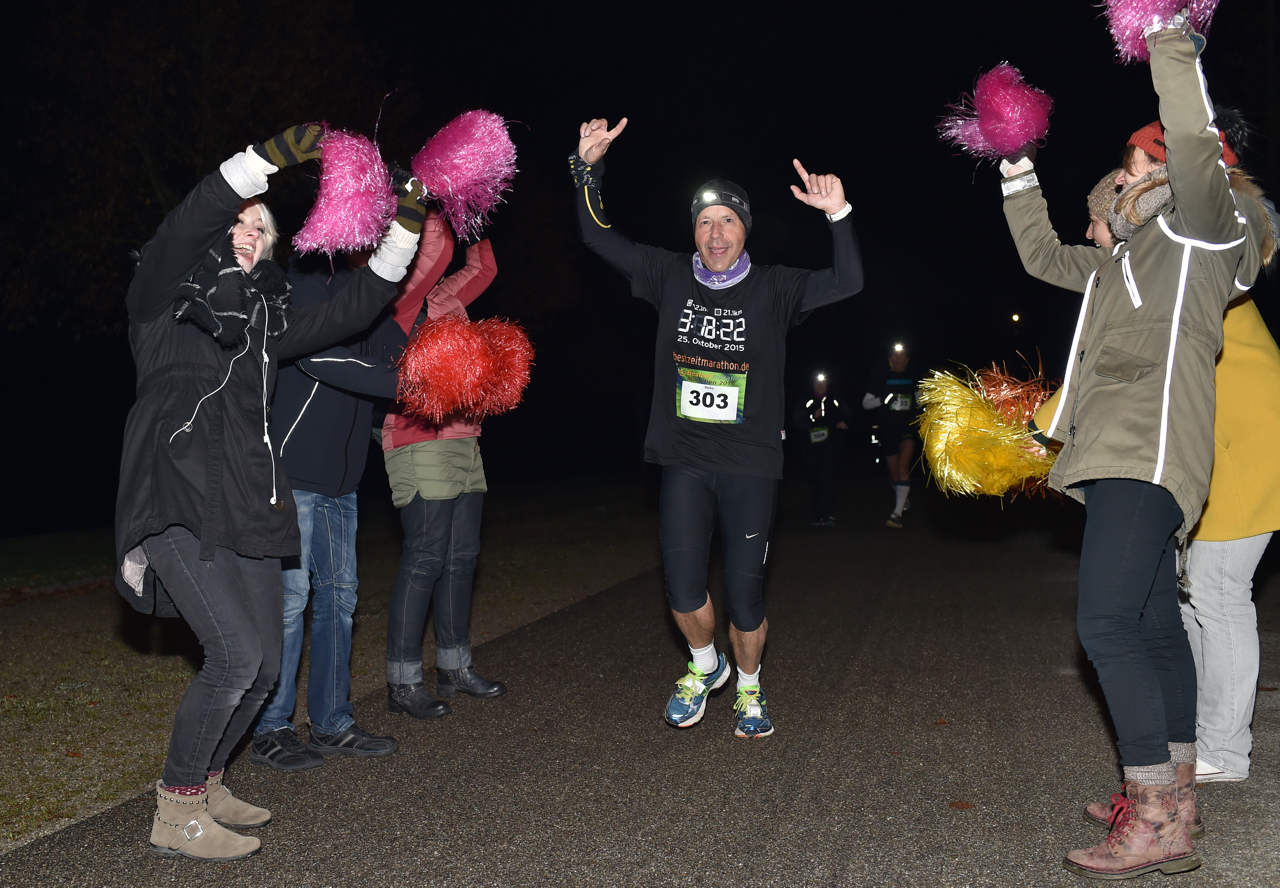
<point x="970" y="447"/>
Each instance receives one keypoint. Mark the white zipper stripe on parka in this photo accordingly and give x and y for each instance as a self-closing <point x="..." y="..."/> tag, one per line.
<point x="1071" y="360"/>
<point x="1187" y="245"/>
<point x="314" y="389"/>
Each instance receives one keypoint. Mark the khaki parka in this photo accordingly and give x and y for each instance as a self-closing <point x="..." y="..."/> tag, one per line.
<point x="1137" y="399"/>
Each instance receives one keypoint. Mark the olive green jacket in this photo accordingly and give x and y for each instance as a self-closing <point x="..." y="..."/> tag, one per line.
<point x="1138" y="391"/>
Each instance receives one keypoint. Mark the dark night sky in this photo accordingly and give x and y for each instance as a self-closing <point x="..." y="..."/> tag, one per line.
<point x="722" y="91"/>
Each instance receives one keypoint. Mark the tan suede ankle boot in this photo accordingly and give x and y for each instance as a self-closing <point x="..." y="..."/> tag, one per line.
<point x="229" y="810"/>
<point x="1146" y="835"/>
<point x="183" y="827"/>
<point x="1188" y="810"/>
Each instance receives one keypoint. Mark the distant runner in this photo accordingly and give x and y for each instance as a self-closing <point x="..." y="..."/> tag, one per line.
<point x="892" y="393"/>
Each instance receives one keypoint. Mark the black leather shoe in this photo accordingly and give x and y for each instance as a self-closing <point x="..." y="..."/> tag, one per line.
<point x="468" y="681"/>
<point x="281" y="750"/>
<point x="354" y="740"/>
<point x="414" y="699"/>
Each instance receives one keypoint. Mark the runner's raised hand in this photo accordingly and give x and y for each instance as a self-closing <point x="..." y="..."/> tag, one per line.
<point x="820" y="192"/>
<point x="594" y="138"/>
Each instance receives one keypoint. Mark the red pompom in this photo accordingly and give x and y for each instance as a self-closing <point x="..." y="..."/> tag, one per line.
<point x="444" y="368"/>
<point x="512" y="356"/>
<point x="455" y="367"/>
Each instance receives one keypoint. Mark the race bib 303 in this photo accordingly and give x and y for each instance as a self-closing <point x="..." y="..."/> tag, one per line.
<point x="708" y="396"/>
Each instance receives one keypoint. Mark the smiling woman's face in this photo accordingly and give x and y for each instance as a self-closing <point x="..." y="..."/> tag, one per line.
<point x="248" y="237"/>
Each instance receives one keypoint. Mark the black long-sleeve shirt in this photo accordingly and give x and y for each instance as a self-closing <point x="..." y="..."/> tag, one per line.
<point x="719" y="354"/>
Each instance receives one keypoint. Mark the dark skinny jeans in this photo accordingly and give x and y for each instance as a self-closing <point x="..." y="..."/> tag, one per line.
<point x="1128" y="617"/>
<point x="235" y="606"/>
<point x="437" y="567"/>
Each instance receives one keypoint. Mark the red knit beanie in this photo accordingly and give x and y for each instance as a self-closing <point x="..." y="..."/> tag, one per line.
<point x="1151" y="140"/>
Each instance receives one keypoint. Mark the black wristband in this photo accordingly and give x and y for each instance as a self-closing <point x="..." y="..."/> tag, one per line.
<point x="586" y="175"/>
<point x="1036" y="435"/>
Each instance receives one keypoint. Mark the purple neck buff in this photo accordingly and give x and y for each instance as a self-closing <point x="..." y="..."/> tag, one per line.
<point x="724" y="279"/>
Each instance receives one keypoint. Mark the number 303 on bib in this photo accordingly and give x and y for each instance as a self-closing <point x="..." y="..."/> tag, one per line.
<point x="706" y="396"/>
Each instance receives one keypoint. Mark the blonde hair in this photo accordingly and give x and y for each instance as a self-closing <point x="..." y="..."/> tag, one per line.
<point x="270" y="231"/>
<point x="1241" y="183"/>
<point x="1132" y="154"/>
<point x="1126" y="205"/>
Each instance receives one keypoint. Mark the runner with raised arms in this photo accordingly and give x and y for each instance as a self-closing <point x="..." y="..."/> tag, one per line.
<point x="720" y="350"/>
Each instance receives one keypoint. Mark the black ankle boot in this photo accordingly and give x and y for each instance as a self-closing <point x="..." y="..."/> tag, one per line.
<point x="414" y="699"/>
<point x="468" y="681"/>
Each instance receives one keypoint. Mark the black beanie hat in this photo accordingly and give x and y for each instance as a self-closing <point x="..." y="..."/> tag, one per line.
<point x="722" y="193"/>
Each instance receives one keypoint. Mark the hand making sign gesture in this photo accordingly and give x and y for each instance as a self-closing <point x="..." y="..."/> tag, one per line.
<point x="821" y="192"/>
<point x="594" y="138"/>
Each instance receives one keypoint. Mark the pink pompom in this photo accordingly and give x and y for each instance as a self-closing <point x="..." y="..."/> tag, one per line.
<point x="513" y="356"/>
<point x="444" y="369"/>
<point x="1003" y="114"/>
<point x="466" y="167"/>
<point x="355" y="203"/>
<point x="1127" y="19"/>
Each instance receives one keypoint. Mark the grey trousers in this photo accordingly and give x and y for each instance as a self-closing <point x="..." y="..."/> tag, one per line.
<point x="1222" y="627"/>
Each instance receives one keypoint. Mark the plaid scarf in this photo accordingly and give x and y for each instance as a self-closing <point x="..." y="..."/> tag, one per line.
<point x="223" y="299"/>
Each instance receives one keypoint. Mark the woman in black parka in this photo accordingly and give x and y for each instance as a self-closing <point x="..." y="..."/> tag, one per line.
<point x="204" y="513"/>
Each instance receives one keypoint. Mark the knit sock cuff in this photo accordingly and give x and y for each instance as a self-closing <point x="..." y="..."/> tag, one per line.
<point x="1151" y="775"/>
<point x="1182" y="753"/>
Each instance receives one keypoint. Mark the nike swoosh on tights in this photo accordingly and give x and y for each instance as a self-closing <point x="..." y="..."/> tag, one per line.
<point x="756" y="534"/>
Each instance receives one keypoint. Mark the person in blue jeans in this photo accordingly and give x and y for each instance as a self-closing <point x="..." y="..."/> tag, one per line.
<point x="322" y="416"/>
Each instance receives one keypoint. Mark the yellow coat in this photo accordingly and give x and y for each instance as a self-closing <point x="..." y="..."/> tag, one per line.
<point x="1244" y="487"/>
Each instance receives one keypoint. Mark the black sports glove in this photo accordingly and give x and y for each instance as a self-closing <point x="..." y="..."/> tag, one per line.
<point x="291" y="147"/>
<point x="411" y="199"/>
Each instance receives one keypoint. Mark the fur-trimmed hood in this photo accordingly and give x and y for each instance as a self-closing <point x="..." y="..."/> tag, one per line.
<point x="1243" y="183"/>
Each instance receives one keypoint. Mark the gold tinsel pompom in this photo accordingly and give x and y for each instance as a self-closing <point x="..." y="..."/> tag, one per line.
<point x="975" y="432"/>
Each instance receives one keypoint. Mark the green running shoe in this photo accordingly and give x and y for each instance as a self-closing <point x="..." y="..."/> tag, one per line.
<point x="753" y="712"/>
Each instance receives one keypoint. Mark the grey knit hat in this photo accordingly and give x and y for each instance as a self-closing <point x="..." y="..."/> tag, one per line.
<point x="723" y="193"/>
<point x="1104" y="194"/>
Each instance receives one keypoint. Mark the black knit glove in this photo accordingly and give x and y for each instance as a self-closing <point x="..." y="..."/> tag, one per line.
<point x="411" y="198"/>
<point x="291" y="147"/>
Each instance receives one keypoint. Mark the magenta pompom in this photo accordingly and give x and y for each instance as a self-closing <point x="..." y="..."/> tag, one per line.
<point x="466" y="167"/>
<point x="444" y="369"/>
<point x="512" y="358"/>
<point x="1128" y="19"/>
<point x="355" y="203"/>
<point x="1003" y="114"/>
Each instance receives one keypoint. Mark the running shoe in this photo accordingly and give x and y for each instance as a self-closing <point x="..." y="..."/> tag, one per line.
<point x="895" y="521"/>
<point x="753" y="712"/>
<point x="689" y="701"/>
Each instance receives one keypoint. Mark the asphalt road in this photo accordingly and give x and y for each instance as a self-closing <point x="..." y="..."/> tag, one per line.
<point x="937" y="724"/>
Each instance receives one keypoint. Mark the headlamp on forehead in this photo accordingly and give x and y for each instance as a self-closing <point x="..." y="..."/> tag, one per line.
<point x="821" y="377"/>
<point x="898" y="346"/>
<point x="722" y="193"/>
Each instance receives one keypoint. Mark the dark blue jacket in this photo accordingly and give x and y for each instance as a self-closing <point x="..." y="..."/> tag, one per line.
<point x="322" y="413"/>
